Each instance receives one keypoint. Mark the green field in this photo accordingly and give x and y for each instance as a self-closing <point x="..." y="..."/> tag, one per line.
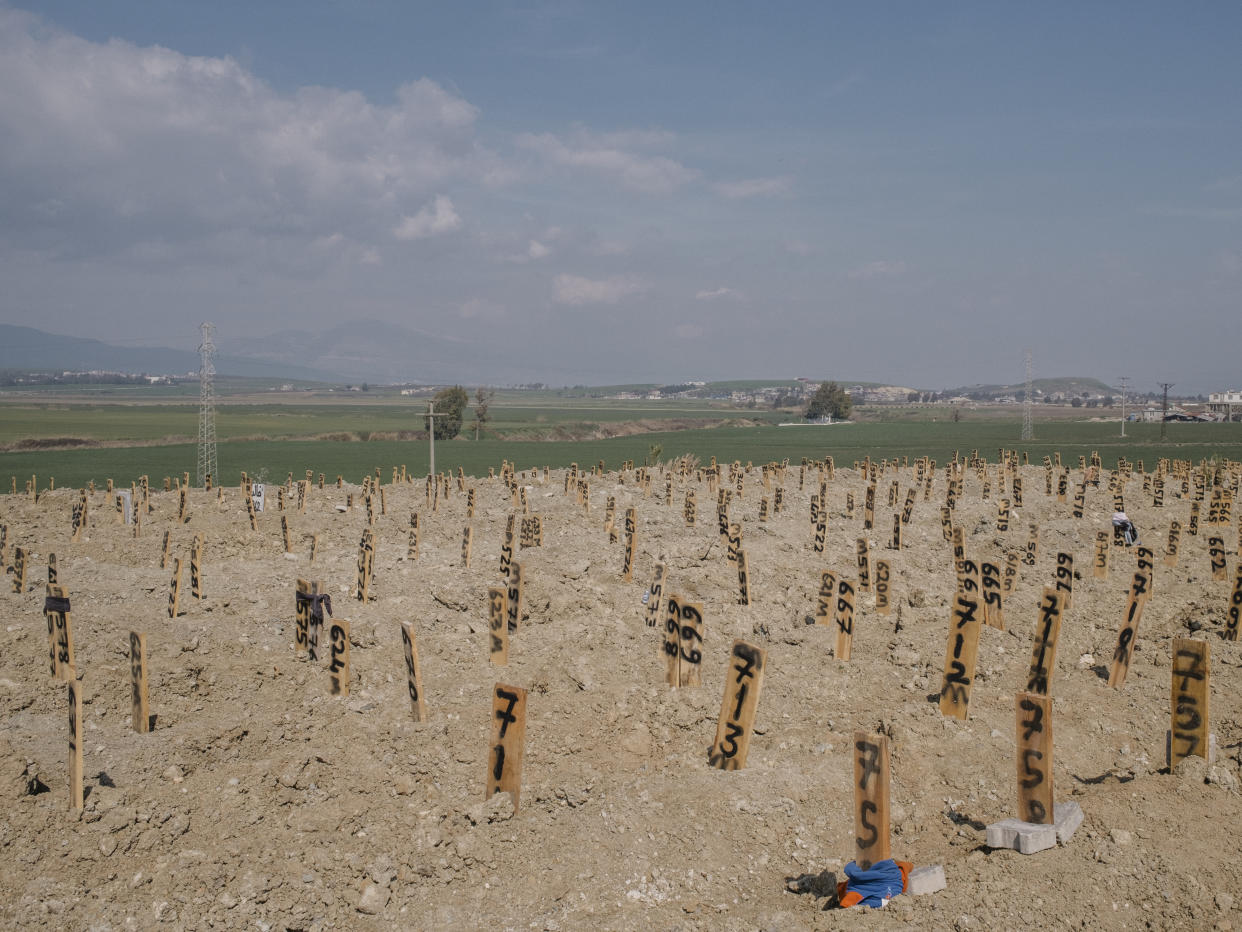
<point x="846" y="442"/>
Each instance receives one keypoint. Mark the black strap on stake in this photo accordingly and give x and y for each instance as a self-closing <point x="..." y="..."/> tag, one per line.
<point x="317" y="603"/>
<point x="56" y="605"/>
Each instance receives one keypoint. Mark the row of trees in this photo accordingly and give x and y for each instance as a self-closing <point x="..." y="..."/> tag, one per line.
<point x="450" y="404"/>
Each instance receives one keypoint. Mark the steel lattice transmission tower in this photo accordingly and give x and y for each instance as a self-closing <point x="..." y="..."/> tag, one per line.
<point x="1028" y="424"/>
<point x="207" y="407"/>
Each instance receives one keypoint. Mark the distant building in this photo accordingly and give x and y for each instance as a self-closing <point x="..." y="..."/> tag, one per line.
<point x="1226" y="406"/>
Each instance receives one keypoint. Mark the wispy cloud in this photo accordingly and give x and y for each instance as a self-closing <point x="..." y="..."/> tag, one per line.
<point x="536" y="250"/>
<point x="613" y="156"/>
<point x="753" y="187"/>
<point x="432" y="220"/>
<point x="716" y="293"/>
<point x="573" y="289"/>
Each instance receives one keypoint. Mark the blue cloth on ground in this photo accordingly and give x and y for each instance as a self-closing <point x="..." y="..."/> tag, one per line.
<point x="877" y="885"/>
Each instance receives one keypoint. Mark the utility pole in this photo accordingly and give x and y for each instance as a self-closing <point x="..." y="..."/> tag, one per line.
<point x="207" y="408"/>
<point x="431" y="434"/>
<point x="1124" y="379"/>
<point x="1028" y="424"/>
<point x="1164" y="413"/>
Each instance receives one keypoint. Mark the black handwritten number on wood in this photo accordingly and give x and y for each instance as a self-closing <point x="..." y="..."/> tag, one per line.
<point x="135" y="667"/>
<point x="505" y="716"/>
<point x="409" y="657"/>
<point x="499" y="767"/>
<point x="869" y="761"/>
<point x="690" y="633"/>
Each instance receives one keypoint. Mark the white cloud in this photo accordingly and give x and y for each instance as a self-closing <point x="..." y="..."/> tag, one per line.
<point x="882" y="268"/>
<point x="536" y="250"/>
<point x="715" y="293"/>
<point x="612" y="156"/>
<point x="432" y="220"/>
<point x="753" y="187"/>
<point x="799" y="247"/>
<point x="111" y="144"/>
<point x="573" y="289"/>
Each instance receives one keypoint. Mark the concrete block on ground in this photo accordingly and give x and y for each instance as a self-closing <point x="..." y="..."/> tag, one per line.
<point x="1066" y="816"/>
<point x="1028" y="837"/>
<point x="1023" y="837"/>
<point x="925" y="880"/>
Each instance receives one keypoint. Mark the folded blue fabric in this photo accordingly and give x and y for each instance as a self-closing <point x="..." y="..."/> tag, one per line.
<point x="876" y="885"/>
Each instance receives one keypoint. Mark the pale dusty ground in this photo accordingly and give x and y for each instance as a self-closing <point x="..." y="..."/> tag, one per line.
<point x="259" y="801"/>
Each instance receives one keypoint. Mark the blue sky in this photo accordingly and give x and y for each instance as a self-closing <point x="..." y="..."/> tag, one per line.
<point x="911" y="193"/>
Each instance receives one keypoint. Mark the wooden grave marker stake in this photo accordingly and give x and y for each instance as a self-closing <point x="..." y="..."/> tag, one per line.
<point x="683" y="642"/>
<point x="140" y="707"/>
<point x="76" y="736"/>
<point x="826" y="599"/>
<point x="338" y="663"/>
<point x="304" y="606"/>
<point x="1065" y="579"/>
<point x="631" y="532"/>
<point x="743" y="681"/>
<point x="1009" y="583"/>
<point x="51" y="568"/>
<point x="506" y="545"/>
<point x="413" y="672"/>
<point x="993" y="601"/>
<point x="174" y="589"/>
<point x="1188" y="734"/>
<point x="1124" y="651"/>
<point x="1032" y="546"/>
<point x="883" y="575"/>
<point x="655" y="595"/>
<point x="1044" y="643"/>
<point x="411" y="550"/>
<point x="59" y="631"/>
<point x="960" y="656"/>
<point x="689" y="512"/>
<point x="862" y="552"/>
<point x="164" y="550"/>
<point x="467" y="541"/>
<point x="743" y="579"/>
<point x="1002" y="515"/>
<point x="843" y="618"/>
<point x="1034" y="758"/>
<point x="1234" y="614"/>
<point x="497" y="626"/>
<point x="504" y="758"/>
<point x="515" y="595"/>
<point x="19" y="569"/>
<point x="366" y="564"/>
<point x="1099" y="566"/>
<point x="872" y="832"/>
<point x="1216" y="554"/>
<point x="284" y="533"/>
<point x="196" y="567"/>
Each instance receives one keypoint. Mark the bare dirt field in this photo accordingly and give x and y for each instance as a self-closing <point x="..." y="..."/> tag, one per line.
<point x="259" y="800"/>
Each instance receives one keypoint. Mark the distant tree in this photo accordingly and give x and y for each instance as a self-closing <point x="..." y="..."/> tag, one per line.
<point x="1075" y="402"/>
<point x="450" y="404"/>
<point x="829" y="399"/>
<point x="914" y="396"/>
<point x="1108" y="401"/>
<point x="482" y="403"/>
